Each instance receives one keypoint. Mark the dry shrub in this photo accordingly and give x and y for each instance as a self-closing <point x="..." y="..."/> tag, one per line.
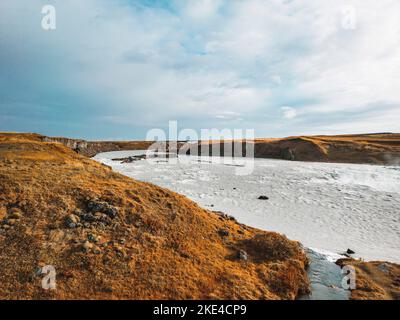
<point x="271" y="247"/>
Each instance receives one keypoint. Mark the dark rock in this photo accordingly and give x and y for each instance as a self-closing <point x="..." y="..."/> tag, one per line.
<point x="88" y="217"/>
<point x="95" y="206"/>
<point x="72" y="221"/>
<point x="242" y="255"/>
<point x="287" y="154"/>
<point x="349" y="251"/>
<point x="263" y="198"/>
<point x="108" y="289"/>
<point x="131" y="159"/>
<point x="111" y="212"/>
<point x="93" y="238"/>
<point x="71" y="225"/>
<point x="223" y="232"/>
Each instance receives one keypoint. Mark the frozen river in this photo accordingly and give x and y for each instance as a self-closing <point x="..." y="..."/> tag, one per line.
<point x="330" y="207"/>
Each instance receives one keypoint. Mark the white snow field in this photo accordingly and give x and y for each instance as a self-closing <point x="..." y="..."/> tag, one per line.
<point x="327" y="207"/>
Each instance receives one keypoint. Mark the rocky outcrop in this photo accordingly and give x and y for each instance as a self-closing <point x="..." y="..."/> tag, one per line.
<point x="381" y="148"/>
<point x="91" y="148"/>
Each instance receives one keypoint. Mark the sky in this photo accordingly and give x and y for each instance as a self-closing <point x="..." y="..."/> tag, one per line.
<point x="116" y="69"/>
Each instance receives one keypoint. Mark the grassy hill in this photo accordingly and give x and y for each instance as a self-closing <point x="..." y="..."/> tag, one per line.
<point x="111" y="237"/>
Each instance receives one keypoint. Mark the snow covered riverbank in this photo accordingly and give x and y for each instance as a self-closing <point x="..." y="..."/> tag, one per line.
<point x="326" y="206"/>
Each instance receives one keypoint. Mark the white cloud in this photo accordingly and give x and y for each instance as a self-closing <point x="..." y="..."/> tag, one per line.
<point x="289" y="112"/>
<point x="206" y="59"/>
<point x="276" y="79"/>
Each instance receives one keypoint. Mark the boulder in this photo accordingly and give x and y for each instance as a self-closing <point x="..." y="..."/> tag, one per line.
<point x="223" y="232"/>
<point x="242" y="255"/>
<point x="72" y="221"/>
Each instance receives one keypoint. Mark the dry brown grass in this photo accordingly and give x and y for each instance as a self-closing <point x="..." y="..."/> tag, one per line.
<point x="172" y="248"/>
<point x="363" y="148"/>
<point x="375" y="280"/>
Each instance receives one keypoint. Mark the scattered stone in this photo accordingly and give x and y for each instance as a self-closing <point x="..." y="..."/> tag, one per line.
<point x="242" y="255"/>
<point x="263" y="198"/>
<point x="100" y="216"/>
<point x="95" y="206"/>
<point x="73" y="218"/>
<point x="223" y="232"/>
<point x="88" y="217"/>
<point x="72" y="221"/>
<point x="78" y="212"/>
<point x="71" y="225"/>
<point x="97" y="251"/>
<point x="93" y="238"/>
<point x="122" y="241"/>
<point x="224" y="216"/>
<point x="349" y="251"/>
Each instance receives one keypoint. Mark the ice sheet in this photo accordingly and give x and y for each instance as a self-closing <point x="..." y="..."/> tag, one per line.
<point x="327" y="206"/>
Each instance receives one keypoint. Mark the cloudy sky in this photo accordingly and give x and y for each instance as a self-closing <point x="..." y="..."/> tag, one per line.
<point x="115" y="69"/>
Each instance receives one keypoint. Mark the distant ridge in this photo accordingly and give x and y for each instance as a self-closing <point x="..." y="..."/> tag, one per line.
<point x="369" y="148"/>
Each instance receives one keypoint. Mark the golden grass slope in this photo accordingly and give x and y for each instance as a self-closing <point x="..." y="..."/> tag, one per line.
<point x="159" y="245"/>
<point x="381" y="148"/>
<point x="375" y="280"/>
